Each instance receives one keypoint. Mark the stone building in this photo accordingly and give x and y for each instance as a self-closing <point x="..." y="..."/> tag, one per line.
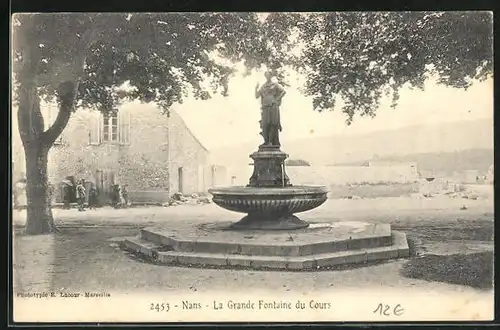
<point x="154" y="154"/>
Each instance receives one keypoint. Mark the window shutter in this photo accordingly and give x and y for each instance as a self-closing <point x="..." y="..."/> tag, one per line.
<point x="124" y="127"/>
<point x="120" y="126"/>
<point x="95" y="129"/>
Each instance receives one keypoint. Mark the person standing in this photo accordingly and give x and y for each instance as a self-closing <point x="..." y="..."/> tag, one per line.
<point x="50" y="195"/>
<point x="92" y="196"/>
<point x="124" y="192"/>
<point x="115" y="196"/>
<point x="80" y="195"/>
<point x="66" y="193"/>
<point x="19" y="193"/>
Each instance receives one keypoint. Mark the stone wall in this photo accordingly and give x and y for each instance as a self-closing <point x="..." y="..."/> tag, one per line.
<point x="334" y="175"/>
<point x="189" y="155"/>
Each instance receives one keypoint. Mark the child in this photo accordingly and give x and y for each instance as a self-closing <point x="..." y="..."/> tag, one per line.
<point x="124" y="192"/>
<point x="80" y="195"/>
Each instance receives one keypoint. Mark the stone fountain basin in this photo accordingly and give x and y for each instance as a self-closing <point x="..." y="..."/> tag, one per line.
<point x="292" y="199"/>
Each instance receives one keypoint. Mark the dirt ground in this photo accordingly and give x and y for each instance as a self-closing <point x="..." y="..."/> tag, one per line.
<point x="452" y="249"/>
<point x="397" y="210"/>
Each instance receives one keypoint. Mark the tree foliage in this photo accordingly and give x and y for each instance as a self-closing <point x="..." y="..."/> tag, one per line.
<point x="362" y="56"/>
<point x="356" y="56"/>
<point x="159" y="55"/>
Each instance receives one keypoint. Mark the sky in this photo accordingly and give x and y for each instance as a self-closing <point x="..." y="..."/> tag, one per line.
<point x="234" y="119"/>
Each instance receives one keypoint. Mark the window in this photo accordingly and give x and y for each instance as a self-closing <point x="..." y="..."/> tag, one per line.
<point x="110" y="128"/>
<point x="114" y="128"/>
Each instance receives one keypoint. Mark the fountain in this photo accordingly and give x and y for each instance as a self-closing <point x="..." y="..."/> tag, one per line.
<point x="269" y="200"/>
<point x="270" y="235"/>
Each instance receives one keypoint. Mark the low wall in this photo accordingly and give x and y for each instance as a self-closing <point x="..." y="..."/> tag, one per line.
<point x="331" y="175"/>
<point x="148" y="197"/>
<point x="373" y="190"/>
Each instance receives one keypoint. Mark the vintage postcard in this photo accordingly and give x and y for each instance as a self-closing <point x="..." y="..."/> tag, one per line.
<point x="252" y="167"/>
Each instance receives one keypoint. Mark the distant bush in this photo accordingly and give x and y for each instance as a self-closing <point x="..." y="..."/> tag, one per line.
<point x="297" y="162"/>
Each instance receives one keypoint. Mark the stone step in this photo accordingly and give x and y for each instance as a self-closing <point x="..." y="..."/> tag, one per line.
<point x="141" y="246"/>
<point x="272" y="244"/>
<point x="399" y="249"/>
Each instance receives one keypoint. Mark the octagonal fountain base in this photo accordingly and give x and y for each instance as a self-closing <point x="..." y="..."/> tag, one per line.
<point x="319" y="246"/>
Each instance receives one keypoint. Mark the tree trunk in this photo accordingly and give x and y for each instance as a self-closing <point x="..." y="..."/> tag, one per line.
<point x="36" y="141"/>
<point x="39" y="218"/>
<point x="39" y="212"/>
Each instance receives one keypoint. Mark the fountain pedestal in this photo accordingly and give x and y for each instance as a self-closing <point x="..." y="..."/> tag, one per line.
<point x="269" y="168"/>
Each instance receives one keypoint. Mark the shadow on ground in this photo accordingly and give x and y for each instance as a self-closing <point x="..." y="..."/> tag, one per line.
<point x="82" y="256"/>
<point x="474" y="270"/>
<point x="469" y="269"/>
<point x="459" y="230"/>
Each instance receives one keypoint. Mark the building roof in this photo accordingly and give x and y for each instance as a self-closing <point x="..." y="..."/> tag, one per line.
<point x="175" y="113"/>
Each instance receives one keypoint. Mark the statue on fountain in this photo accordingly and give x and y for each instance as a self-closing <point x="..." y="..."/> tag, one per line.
<point x="269" y="167"/>
<point x="271" y="94"/>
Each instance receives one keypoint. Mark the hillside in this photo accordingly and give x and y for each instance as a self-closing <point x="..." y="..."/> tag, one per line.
<point x="449" y="137"/>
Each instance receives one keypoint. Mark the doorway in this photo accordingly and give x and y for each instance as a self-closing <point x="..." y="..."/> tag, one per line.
<point x="180" y="177"/>
<point x="105" y="180"/>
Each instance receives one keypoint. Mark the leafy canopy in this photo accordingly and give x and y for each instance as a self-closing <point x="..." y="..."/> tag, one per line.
<point x="360" y="56"/>
<point x="159" y="55"/>
<point x="355" y="56"/>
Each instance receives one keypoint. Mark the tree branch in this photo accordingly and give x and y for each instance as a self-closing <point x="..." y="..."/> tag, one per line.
<point x="66" y="94"/>
<point x="67" y="91"/>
